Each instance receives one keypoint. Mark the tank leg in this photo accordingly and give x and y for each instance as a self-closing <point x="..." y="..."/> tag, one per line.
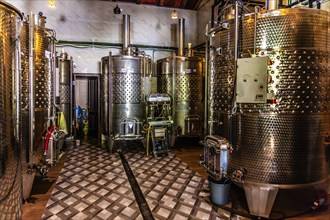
<point x="260" y="199"/>
<point x="110" y="144"/>
<point x="144" y="143"/>
<point x="172" y="140"/>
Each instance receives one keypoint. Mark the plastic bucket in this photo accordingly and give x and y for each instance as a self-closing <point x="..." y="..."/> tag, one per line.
<point x="219" y="192"/>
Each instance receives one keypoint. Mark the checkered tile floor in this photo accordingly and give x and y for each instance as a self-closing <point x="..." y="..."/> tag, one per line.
<point x="93" y="185"/>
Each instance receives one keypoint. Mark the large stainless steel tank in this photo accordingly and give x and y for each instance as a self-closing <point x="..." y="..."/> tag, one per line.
<point x="182" y="78"/>
<point x="122" y="91"/>
<point x="37" y="94"/>
<point x="10" y="171"/>
<point x="185" y="76"/>
<point x="280" y="143"/>
<point x="65" y="85"/>
<point x="41" y="80"/>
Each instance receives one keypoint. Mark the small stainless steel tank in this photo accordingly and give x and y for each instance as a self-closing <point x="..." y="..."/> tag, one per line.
<point x="182" y="78"/>
<point x="122" y="95"/>
<point x="10" y="169"/>
<point x="188" y="95"/>
<point x="65" y="90"/>
<point x="278" y="136"/>
<point x="123" y="90"/>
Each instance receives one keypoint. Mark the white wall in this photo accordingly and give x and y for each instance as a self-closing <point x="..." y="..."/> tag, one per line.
<point x="94" y="21"/>
<point x="326" y="6"/>
<point x="204" y="16"/>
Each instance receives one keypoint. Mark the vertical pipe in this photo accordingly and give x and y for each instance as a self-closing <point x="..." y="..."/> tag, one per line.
<point x="190" y="51"/>
<point x="53" y="63"/>
<point x="174" y="60"/>
<point x="126" y="34"/>
<point x="271" y="4"/>
<point x="17" y="84"/>
<point x="109" y="95"/>
<point x="71" y="108"/>
<point x="181" y="36"/>
<point x="31" y="84"/>
<point x="206" y="87"/>
<point x="236" y="37"/>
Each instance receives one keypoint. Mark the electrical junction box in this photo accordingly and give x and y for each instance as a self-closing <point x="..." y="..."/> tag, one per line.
<point x="251" y="81"/>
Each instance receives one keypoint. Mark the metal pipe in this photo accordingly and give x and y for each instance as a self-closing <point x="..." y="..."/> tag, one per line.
<point x="271" y="4"/>
<point x="83" y="44"/>
<point x="71" y="109"/>
<point x="294" y="3"/>
<point x="206" y="87"/>
<point x="109" y="94"/>
<point x="236" y="37"/>
<point x="126" y="34"/>
<point x="18" y="83"/>
<point x="53" y="52"/>
<point x="190" y="51"/>
<point x="31" y="85"/>
<point x="181" y="24"/>
<point x="174" y="58"/>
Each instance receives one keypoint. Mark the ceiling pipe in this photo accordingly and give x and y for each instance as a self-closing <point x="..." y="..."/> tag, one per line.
<point x="126" y="34"/>
<point x="181" y="36"/>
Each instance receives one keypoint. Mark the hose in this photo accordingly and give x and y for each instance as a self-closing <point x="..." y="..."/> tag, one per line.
<point x="48" y="136"/>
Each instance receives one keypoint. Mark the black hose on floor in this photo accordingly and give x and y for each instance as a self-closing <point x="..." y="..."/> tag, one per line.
<point x="141" y="201"/>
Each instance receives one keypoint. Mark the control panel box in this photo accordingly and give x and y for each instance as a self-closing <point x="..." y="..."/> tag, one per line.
<point x="251" y="81"/>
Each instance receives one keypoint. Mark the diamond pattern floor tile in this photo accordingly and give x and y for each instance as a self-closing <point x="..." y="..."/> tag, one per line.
<point x="93" y="185"/>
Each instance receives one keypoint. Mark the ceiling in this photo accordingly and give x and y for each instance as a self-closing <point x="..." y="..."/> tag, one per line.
<point x="188" y="4"/>
<point x="184" y="4"/>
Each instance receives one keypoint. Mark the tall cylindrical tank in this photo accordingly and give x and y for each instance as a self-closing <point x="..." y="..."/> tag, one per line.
<point x="65" y="89"/>
<point x="279" y="143"/>
<point x="125" y="81"/>
<point x="10" y="171"/>
<point x="51" y="74"/>
<point x="122" y="91"/>
<point x="184" y="76"/>
<point x="41" y="80"/>
<point x="36" y="94"/>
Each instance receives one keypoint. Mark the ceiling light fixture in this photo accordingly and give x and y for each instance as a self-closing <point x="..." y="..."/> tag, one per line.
<point x="174" y="14"/>
<point x="52" y="3"/>
<point x="117" y="10"/>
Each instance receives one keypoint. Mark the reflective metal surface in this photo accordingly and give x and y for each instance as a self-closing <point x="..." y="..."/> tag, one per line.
<point x="10" y="171"/>
<point x="41" y="82"/>
<point x="65" y="85"/>
<point x="122" y="91"/>
<point x="50" y="70"/>
<point x="25" y="152"/>
<point x="188" y="95"/>
<point x="282" y="142"/>
<point x="104" y="90"/>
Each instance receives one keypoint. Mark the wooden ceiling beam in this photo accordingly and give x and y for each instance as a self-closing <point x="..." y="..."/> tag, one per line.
<point x="178" y="3"/>
<point x="161" y="2"/>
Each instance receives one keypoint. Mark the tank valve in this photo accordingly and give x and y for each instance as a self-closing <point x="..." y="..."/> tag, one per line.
<point x="319" y="202"/>
<point x="238" y="175"/>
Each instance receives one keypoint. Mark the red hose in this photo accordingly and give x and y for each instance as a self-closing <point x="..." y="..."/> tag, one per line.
<point x="48" y="136"/>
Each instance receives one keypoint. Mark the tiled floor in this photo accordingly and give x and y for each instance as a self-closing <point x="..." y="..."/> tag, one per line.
<point x="93" y="185"/>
